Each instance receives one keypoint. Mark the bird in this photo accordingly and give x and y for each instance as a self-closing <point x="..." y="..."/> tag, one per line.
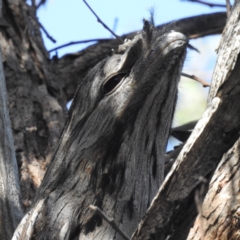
<point x="111" y="151"/>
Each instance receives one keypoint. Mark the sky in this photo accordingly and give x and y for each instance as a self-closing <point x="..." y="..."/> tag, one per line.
<point x="71" y="20"/>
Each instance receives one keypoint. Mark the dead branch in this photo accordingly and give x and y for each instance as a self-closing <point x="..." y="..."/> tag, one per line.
<point x="79" y="42"/>
<point x="41" y="3"/>
<point x="205" y="84"/>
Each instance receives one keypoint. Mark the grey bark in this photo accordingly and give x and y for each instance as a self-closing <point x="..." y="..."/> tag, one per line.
<point x="219" y="214"/>
<point x="10" y="203"/>
<point x="215" y="133"/>
<point x="37" y="106"/>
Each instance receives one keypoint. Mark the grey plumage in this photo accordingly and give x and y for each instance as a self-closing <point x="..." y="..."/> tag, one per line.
<point x="111" y="152"/>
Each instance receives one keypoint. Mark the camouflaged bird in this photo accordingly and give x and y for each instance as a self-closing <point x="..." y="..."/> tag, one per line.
<point x="111" y="152"/>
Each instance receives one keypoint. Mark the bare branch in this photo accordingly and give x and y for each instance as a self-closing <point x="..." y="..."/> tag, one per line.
<point x="79" y="42"/>
<point x="205" y="84"/>
<point x="193" y="48"/>
<point x="100" y="21"/>
<point x="34" y="3"/>
<point x="207" y="3"/>
<point x="109" y="220"/>
<point x="47" y="34"/>
<point x="40" y="3"/>
<point x="115" y="24"/>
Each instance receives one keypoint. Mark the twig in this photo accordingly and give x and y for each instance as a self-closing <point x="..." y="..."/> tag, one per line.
<point x="229" y="8"/>
<point x="40" y="3"/>
<point x="205" y="84"/>
<point x="79" y="42"/>
<point x="45" y="31"/>
<point x="109" y="220"/>
<point x="100" y="21"/>
<point x="115" y="24"/>
<point x="33" y="3"/>
<point x="207" y="3"/>
<point x="34" y="7"/>
<point x="193" y="48"/>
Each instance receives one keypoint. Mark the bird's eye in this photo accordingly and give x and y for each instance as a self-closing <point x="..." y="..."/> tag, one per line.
<point x="113" y="83"/>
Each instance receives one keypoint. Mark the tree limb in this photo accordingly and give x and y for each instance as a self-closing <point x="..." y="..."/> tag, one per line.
<point x="207" y="3"/>
<point x="79" y="42"/>
<point x="204" y="84"/>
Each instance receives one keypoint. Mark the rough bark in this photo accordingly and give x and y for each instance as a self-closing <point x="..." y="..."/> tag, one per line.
<point x="214" y="134"/>
<point x="36" y="104"/>
<point x="10" y="200"/>
<point x="219" y="215"/>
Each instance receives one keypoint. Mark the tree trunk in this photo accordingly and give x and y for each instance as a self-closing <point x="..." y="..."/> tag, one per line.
<point x="10" y="205"/>
<point x="36" y="103"/>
